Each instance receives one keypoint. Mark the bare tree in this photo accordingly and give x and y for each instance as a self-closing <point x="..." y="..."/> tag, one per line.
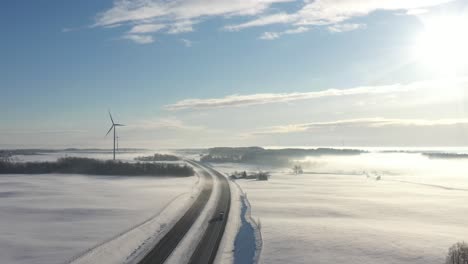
<point x="458" y="254"/>
<point x="297" y="169"/>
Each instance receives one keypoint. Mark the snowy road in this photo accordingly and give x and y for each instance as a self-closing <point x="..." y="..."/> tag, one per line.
<point x="208" y="246"/>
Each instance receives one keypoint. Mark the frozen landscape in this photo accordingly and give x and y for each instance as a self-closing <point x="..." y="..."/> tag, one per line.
<point x="383" y="206"/>
<point x="56" y="218"/>
<point x="337" y="211"/>
<point x="234" y="132"/>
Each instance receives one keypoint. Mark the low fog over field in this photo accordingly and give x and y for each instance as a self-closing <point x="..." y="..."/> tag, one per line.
<point x="376" y="207"/>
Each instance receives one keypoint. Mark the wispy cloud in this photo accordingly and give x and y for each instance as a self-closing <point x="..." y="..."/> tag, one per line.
<point x="331" y="12"/>
<point x="146" y="28"/>
<point x="139" y="39"/>
<point x="345" y="27"/>
<point x="269" y="35"/>
<point x="175" y="17"/>
<point x="359" y="123"/>
<point x="164" y="123"/>
<point x="266" y="98"/>
<point x="283" y="18"/>
<point x="142" y="11"/>
<point x="65" y="30"/>
<point x="416" y="11"/>
<point x="275" y="35"/>
<point x="181" y="27"/>
<point x="418" y="92"/>
<point x="187" y="43"/>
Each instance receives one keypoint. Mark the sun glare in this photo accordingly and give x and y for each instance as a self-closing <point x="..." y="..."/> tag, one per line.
<point x="443" y="44"/>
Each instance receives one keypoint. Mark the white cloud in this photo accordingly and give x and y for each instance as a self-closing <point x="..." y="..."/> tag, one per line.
<point x="163" y="124"/>
<point x="140" y="39"/>
<point x="336" y="11"/>
<point x="148" y="16"/>
<point x="266" y="98"/>
<point x="416" y="11"/>
<point x="187" y="43"/>
<point x="360" y="123"/>
<point x="262" y="21"/>
<point x="345" y="27"/>
<point x="181" y="27"/>
<point x="146" y="28"/>
<point x="275" y="35"/>
<point x="142" y="11"/>
<point x="422" y="92"/>
<point x="269" y="35"/>
<point x="330" y="12"/>
<point x="297" y="30"/>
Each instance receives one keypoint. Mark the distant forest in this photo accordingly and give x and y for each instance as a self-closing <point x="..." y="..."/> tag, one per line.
<point x="446" y="155"/>
<point x="72" y="165"/>
<point x="431" y="155"/>
<point x="158" y="157"/>
<point x="258" y="155"/>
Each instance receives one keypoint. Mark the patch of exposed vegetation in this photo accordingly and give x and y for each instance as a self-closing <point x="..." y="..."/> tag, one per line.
<point x="73" y="165"/>
<point x="158" y="157"/>
<point x="259" y="176"/>
<point x="278" y="157"/>
<point x="297" y="169"/>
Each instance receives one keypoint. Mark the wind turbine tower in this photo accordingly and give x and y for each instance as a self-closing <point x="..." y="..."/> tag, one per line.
<point x="113" y="127"/>
<point x="117" y="141"/>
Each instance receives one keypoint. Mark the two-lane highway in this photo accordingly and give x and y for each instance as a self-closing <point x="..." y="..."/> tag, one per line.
<point x="207" y="248"/>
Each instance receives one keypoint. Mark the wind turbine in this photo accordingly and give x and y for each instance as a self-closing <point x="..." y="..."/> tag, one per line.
<point x="114" y="126"/>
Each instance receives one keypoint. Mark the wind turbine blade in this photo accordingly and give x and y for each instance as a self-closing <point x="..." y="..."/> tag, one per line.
<point x="110" y="129"/>
<point x="119" y="125"/>
<point x="111" y="118"/>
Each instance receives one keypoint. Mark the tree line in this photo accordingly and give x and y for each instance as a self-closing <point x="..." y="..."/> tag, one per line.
<point x="158" y="157"/>
<point x="74" y="165"/>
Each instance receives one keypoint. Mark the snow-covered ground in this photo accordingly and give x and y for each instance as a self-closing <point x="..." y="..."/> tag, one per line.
<point x="55" y="218"/>
<point x="337" y="212"/>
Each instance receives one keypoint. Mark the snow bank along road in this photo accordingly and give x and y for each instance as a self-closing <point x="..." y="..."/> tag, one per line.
<point x="209" y="244"/>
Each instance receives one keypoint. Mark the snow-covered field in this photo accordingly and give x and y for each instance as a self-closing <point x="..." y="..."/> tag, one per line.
<point x="53" y="218"/>
<point x="337" y="212"/>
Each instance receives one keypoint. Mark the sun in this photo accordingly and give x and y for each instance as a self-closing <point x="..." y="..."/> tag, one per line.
<point x="443" y="44"/>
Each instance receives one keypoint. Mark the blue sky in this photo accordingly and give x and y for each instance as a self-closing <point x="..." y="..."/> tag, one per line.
<point x="170" y="71"/>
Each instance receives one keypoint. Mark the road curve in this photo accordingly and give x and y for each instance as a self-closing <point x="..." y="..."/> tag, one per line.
<point x="208" y="246"/>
